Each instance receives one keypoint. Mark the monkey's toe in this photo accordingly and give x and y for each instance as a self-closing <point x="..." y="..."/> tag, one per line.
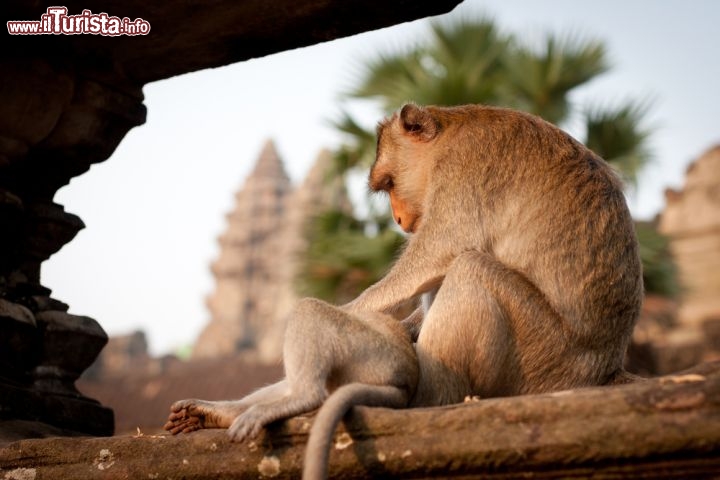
<point x="184" y="426"/>
<point x="177" y="416"/>
<point x="185" y="404"/>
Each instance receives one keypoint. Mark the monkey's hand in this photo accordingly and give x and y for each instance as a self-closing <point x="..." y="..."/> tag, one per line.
<point x="249" y="423"/>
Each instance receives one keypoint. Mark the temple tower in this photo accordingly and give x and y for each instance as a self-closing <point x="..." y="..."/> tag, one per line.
<point x="320" y="191"/>
<point x="692" y="221"/>
<point x="246" y="270"/>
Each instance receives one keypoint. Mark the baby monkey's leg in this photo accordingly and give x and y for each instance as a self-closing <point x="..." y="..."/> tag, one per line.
<point x="192" y="414"/>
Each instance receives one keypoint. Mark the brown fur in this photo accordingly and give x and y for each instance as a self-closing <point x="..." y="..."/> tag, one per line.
<point x="530" y="237"/>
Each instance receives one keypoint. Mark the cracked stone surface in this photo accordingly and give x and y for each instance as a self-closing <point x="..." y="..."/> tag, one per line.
<point x="663" y="428"/>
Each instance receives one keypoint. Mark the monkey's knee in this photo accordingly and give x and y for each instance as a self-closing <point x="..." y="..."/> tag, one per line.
<point x="467" y="266"/>
<point x="307" y="312"/>
<point x="464" y="288"/>
<point x="313" y="308"/>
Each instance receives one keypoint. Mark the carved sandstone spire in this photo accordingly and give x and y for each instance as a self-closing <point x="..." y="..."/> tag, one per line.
<point x="692" y="221"/>
<point x="319" y="192"/>
<point x="246" y="270"/>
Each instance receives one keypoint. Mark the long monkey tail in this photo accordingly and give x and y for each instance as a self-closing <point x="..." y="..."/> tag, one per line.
<point x="334" y="408"/>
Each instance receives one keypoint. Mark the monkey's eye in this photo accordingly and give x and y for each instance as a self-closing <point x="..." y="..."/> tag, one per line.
<point x="387" y="184"/>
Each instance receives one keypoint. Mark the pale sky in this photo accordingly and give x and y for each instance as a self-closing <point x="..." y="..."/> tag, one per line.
<point x="154" y="210"/>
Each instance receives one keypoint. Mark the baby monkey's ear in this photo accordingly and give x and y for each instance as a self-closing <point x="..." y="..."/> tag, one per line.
<point x="418" y="122"/>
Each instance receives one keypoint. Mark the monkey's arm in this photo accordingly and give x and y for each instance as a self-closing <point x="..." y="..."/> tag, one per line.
<point x="413" y="323"/>
<point x="420" y="268"/>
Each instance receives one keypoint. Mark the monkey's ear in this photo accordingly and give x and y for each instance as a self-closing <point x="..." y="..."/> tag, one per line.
<point x="418" y="122"/>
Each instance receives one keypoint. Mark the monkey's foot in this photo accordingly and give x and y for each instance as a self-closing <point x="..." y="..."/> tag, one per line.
<point x="248" y="424"/>
<point x="189" y="415"/>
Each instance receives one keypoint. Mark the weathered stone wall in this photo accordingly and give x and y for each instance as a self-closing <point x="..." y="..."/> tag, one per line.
<point x="692" y="221"/>
<point x="124" y="355"/>
<point x="55" y="121"/>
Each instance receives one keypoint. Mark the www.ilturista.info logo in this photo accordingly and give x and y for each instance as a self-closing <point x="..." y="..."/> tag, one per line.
<point x="57" y="22"/>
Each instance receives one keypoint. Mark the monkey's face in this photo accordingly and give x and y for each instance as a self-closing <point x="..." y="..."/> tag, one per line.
<point x="388" y="176"/>
<point x="403" y="163"/>
<point x="407" y="217"/>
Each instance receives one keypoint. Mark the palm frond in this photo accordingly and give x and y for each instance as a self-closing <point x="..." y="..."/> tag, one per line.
<point x="342" y="260"/>
<point x="359" y="150"/>
<point x="539" y="81"/>
<point x="393" y="79"/>
<point x="617" y="135"/>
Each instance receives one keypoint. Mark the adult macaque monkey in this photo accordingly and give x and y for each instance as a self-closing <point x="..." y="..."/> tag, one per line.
<point x="528" y="235"/>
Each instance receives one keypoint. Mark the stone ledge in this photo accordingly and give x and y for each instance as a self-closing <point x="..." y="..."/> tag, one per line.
<point x="663" y="428"/>
<point x="190" y="35"/>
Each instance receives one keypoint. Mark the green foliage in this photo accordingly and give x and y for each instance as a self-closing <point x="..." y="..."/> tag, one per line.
<point x="615" y="136"/>
<point x="461" y="65"/>
<point x="342" y="260"/>
<point x="361" y="150"/>
<point x="538" y="82"/>
<point x="659" y="272"/>
<point x="184" y="352"/>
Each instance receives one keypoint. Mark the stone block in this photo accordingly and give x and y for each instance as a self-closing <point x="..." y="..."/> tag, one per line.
<point x="681" y="348"/>
<point x="70" y="343"/>
<point x="711" y="333"/>
<point x="19" y="338"/>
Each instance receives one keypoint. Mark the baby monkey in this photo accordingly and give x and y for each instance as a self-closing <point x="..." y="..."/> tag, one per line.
<point x="332" y="359"/>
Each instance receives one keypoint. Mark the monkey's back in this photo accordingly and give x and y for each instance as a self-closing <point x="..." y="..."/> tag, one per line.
<point x="551" y="209"/>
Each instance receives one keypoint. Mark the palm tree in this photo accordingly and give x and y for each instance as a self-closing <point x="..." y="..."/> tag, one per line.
<point x="341" y="260"/>
<point x="472" y="62"/>
<point x="615" y="136"/>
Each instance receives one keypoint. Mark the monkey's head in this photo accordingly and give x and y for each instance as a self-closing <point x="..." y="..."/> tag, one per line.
<point x="404" y="161"/>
